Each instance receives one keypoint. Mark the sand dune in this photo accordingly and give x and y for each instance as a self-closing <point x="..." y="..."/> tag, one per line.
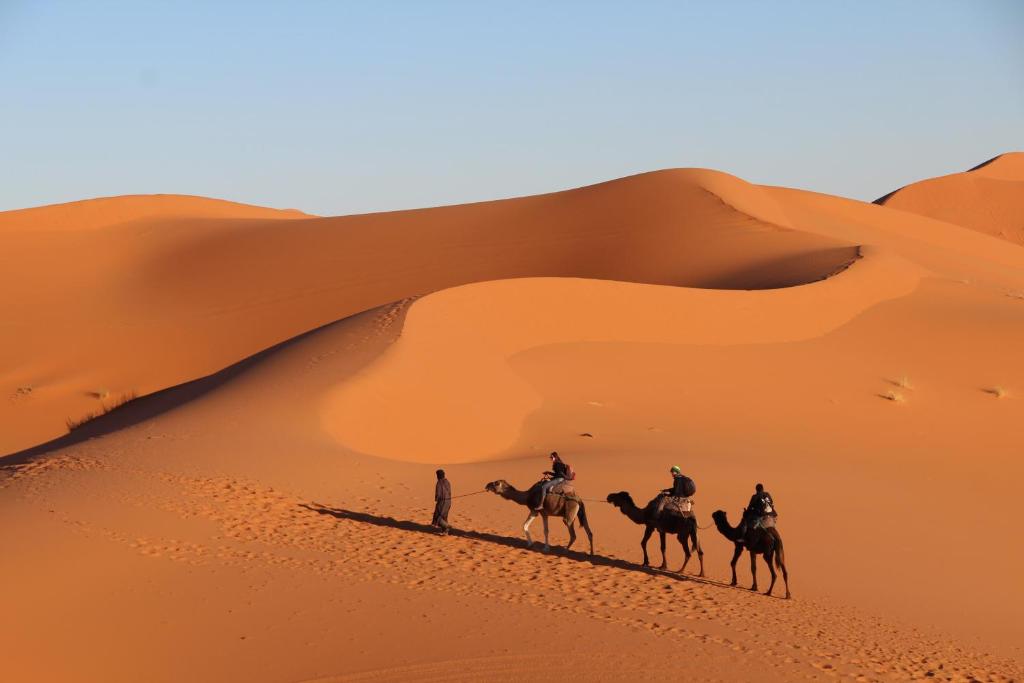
<point x="988" y="198"/>
<point x="268" y="522"/>
<point x="162" y="290"/>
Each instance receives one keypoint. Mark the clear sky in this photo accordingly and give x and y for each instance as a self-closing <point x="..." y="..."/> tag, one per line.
<point x="346" y="107"/>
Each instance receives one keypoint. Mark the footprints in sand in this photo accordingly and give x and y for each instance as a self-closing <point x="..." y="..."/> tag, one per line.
<point x="248" y="525"/>
<point x="259" y="525"/>
<point x="381" y="325"/>
<point x="34" y="468"/>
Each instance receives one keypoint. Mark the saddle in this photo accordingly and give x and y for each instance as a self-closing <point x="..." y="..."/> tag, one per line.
<point x="565" y="489"/>
<point x="680" y="505"/>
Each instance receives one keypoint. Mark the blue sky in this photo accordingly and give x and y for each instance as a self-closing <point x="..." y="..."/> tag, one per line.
<point x="336" y="107"/>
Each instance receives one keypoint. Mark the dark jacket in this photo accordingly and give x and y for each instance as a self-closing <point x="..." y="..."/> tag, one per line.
<point x="559" y="469"/>
<point x="762" y="504"/>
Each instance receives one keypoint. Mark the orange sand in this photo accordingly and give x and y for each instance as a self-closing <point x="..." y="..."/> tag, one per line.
<point x="862" y="361"/>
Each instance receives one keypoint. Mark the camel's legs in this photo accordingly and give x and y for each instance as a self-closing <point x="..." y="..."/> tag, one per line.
<point x="753" y="569"/>
<point x="771" y="570"/>
<point x="544" y="518"/>
<point x="780" y="559"/>
<point x="664" y="560"/>
<point x="684" y="541"/>
<point x="643" y="544"/>
<point x="700" y="551"/>
<point x="572" y="508"/>
<point x="580" y="514"/>
<point x="735" y="557"/>
<point x="571" y="526"/>
<point x="526" y="527"/>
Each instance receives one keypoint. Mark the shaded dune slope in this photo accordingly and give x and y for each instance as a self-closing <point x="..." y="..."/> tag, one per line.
<point x="116" y="297"/>
<point x="988" y="198"/>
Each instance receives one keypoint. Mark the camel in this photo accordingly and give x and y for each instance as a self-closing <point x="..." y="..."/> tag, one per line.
<point x="669" y="522"/>
<point x="760" y="541"/>
<point x="555" y="505"/>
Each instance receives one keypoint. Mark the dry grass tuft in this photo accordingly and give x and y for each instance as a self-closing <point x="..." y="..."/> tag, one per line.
<point x="894" y="396"/>
<point x="89" y="417"/>
<point x="998" y="392"/>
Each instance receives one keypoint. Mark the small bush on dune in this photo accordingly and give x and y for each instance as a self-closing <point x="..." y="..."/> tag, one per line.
<point x="894" y="396"/>
<point x="998" y="392"/>
<point x="74" y="424"/>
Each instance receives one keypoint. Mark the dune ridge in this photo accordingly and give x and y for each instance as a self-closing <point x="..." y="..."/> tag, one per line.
<point x="153" y="302"/>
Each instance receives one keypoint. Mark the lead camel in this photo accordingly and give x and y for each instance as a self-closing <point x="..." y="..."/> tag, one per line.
<point x="568" y="507"/>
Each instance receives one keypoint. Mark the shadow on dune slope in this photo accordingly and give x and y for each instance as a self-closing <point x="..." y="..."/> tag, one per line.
<point x="506" y="541"/>
<point x="152" y="405"/>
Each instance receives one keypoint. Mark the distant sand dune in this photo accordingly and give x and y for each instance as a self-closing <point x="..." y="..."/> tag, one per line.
<point x="988" y="198"/>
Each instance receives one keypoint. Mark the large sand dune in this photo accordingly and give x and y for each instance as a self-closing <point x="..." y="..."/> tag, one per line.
<point x="161" y="291"/>
<point x="267" y="522"/>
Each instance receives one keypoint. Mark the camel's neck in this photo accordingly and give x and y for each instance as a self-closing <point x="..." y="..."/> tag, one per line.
<point x="635" y="514"/>
<point x="515" y="495"/>
<point x="726" y="529"/>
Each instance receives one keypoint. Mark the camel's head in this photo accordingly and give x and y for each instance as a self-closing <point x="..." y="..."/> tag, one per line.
<point x="719" y="516"/>
<point x="499" y="486"/>
<point x="619" y="499"/>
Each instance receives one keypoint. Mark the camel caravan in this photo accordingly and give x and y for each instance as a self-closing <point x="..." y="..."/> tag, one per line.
<point x="669" y="512"/>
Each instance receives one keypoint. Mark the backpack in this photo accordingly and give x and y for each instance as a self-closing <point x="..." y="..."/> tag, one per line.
<point x="687" y="486"/>
<point x="570" y="473"/>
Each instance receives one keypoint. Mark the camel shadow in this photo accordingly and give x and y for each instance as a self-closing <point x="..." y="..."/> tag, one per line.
<point x="508" y="542"/>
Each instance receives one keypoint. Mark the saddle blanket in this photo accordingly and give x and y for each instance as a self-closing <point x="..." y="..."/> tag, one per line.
<point x="565" y="489"/>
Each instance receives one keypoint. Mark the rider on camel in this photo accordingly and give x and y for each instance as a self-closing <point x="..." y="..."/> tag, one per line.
<point x="760" y="512"/>
<point x="682" y="490"/>
<point x="558" y="474"/>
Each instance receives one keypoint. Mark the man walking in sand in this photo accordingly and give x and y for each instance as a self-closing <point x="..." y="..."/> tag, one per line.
<point x="442" y="503"/>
